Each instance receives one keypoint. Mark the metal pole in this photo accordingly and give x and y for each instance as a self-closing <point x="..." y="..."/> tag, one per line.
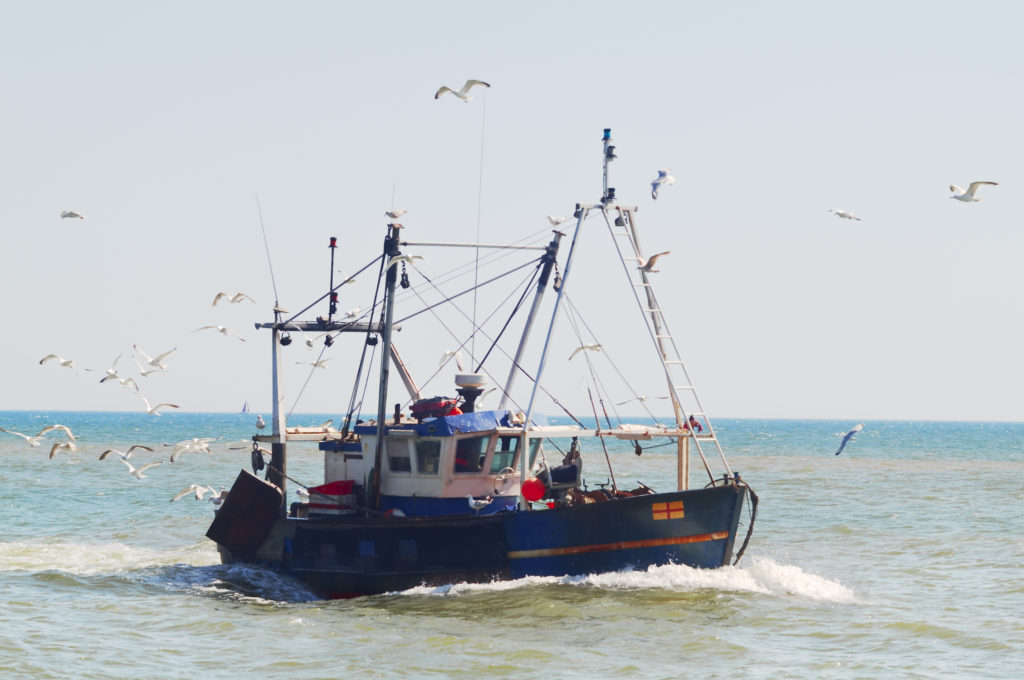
<point x="278" y="454"/>
<point x="390" y="277"/>
<point x="549" y="262"/>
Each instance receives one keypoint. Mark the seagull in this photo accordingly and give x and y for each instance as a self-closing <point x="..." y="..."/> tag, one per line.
<point x="480" y="399"/>
<point x="395" y="214"/>
<point x="844" y="214"/>
<point x="640" y="399"/>
<point x="849" y="436"/>
<point x="136" y="472"/>
<point x="260" y="423"/>
<point x="153" y="409"/>
<point x="111" y="373"/>
<point x="968" y="196"/>
<point x="648" y="264"/>
<point x="57" y="426"/>
<point x="302" y="492"/>
<point x="662" y="178"/>
<point x="124" y="454"/>
<point x="351" y="314"/>
<point x="218" y="497"/>
<point x="452" y="353"/>
<point x="71" y="213"/>
<point x="70" y="446"/>
<point x="198" y="490"/>
<point x="404" y="258"/>
<point x="555" y="221"/>
<point x="322" y="363"/>
<point x="157" y="361"/>
<point x="70" y="363"/>
<point x="237" y="297"/>
<point x="477" y="504"/>
<point x="461" y="94"/>
<point x="128" y="382"/>
<point x="30" y="440"/>
<point x="326" y="424"/>
<point x="223" y="330"/>
<point x="596" y="348"/>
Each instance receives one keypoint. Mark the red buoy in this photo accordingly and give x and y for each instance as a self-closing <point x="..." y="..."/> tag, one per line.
<point x="533" y="489"/>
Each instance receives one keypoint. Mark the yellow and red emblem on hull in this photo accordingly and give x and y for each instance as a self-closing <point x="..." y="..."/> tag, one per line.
<point x="670" y="510"/>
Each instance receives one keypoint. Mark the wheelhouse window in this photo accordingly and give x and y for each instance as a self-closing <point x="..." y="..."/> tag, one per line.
<point x="470" y="453"/>
<point x="398" y="455"/>
<point x="506" y="450"/>
<point x="428" y="456"/>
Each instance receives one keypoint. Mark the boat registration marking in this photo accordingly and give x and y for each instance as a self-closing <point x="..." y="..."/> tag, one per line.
<point x="618" y="545"/>
<point x="670" y="510"/>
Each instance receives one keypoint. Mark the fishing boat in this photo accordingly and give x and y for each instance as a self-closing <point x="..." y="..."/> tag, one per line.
<point x="435" y="489"/>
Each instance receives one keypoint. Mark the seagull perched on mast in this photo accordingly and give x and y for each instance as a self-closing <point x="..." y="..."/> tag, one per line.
<point x="662" y="178"/>
<point x="461" y="94"/>
<point x="555" y="221"/>
<point x="395" y="214"/>
<point x="968" y="196"/>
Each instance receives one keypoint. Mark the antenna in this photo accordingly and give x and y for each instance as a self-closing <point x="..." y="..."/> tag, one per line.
<point x="273" y="283"/>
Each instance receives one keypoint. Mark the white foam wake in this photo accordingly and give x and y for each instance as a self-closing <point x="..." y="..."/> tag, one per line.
<point x="83" y="559"/>
<point x="763" y="576"/>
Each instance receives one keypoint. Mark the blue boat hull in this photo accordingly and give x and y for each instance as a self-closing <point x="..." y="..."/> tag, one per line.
<point x="348" y="556"/>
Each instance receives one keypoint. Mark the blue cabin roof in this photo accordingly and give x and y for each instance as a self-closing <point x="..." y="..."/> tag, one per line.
<point x="446" y="426"/>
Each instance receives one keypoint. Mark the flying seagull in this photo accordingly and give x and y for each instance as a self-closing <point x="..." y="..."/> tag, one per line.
<point x="404" y="258"/>
<point x="124" y="454"/>
<point x="596" y="348"/>
<point x="154" y="409"/>
<point x="136" y="472"/>
<point x="461" y="94"/>
<point x="30" y="440"/>
<point x="198" y="490"/>
<point x="849" y="436"/>
<point x="157" y="361"/>
<point x="70" y="445"/>
<point x="648" y="264"/>
<point x="237" y="297"/>
<point x="453" y="353"/>
<point x="844" y="214"/>
<point x="321" y="363"/>
<point x="71" y="213"/>
<point x="70" y="363"/>
<point x="662" y="178"/>
<point x="395" y="214"/>
<point x="968" y="196"/>
<point x="64" y="428"/>
<point x="223" y="330"/>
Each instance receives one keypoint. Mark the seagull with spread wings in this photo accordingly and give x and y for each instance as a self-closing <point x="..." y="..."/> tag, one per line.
<point x="136" y="472"/>
<point x="223" y="330"/>
<point x="154" y="410"/>
<point x="157" y="362"/>
<point x="663" y="179"/>
<point x="968" y="196"/>
<point x="462" y="93"/>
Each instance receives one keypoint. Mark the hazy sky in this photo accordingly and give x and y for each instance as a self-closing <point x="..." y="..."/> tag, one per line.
<point x="164" y="122"/>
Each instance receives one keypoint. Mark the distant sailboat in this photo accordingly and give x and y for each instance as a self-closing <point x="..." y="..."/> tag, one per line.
<point x="245" y="407"/>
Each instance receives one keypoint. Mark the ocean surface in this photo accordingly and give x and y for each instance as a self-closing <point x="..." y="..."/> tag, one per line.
<point x="900" y="558"/>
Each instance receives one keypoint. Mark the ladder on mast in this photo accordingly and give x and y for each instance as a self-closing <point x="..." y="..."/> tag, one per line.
<point x="685" y="400"/>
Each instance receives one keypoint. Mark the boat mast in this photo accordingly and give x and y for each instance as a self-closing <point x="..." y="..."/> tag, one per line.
<point x="278" y="455"/>
<point x="548" y="261"/>
<point x="390" y="277"/>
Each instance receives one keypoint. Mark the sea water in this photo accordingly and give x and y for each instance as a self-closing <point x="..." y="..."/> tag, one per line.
<point x="899" y="558"/>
